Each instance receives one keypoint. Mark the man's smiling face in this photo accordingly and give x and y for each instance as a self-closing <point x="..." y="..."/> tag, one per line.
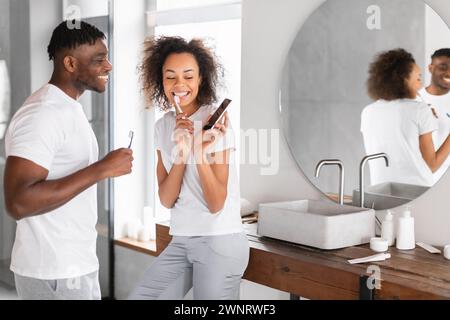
<point x="93" y="66"/>
<point x="440" y="71"/>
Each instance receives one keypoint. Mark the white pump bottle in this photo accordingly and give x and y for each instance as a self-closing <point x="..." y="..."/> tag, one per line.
<point x="388" y="228"/>
<point x="405" y="231"/>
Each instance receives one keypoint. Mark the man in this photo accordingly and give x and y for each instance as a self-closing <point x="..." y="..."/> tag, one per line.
<point x="437" y="95"/>
<point x="52" y="170"/>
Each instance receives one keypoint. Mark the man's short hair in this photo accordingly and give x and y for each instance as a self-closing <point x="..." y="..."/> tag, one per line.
<point x="65" y="37"/>
<point x="445" y="52"/>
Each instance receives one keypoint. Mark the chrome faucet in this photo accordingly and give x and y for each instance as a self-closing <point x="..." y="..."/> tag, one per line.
<point x="340" y="164"/>
<point x="361" y="173"/>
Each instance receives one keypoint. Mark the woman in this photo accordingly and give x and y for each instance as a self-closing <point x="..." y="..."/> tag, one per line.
<point x="196" y="175"/>
<point x="399" y="125"/>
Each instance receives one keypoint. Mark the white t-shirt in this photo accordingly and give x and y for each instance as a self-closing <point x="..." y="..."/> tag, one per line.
<point x="394" y="127"/>
<point x="442" y="106"/>
<point x="51" y="130"/>
<point x="190" y="215"/>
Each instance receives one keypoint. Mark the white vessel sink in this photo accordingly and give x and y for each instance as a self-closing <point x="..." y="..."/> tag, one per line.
<point x="320" y="224"/>
<point x="388" y="195"/>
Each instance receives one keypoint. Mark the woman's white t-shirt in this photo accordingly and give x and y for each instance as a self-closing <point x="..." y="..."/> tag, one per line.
<point x="394" y="127"/>
<point x="190" y="215"/>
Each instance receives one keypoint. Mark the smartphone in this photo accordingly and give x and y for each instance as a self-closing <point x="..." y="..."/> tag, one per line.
<point x="217" y="115"/>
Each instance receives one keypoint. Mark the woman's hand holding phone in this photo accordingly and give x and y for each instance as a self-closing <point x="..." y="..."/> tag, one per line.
<point x="207" y="140"/>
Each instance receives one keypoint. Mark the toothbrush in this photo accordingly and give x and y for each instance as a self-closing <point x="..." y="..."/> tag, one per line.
<point x="130" y="135"/>
<point x="377" y="257"/>
<point x="177" y="104"/>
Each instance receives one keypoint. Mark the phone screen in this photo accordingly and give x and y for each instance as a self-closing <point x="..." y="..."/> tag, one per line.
<point x="217" y="115"/>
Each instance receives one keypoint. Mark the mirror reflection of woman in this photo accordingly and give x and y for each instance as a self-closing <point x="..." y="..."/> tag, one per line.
<point x="399" y="125"/>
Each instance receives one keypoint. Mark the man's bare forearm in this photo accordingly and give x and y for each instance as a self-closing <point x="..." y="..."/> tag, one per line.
<point x="44" y="196"/>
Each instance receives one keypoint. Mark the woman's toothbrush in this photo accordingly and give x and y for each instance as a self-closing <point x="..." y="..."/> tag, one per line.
<point x="177" y="101"/>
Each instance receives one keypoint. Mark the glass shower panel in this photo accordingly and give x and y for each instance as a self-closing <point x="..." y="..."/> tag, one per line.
<point x="96" y="109"/>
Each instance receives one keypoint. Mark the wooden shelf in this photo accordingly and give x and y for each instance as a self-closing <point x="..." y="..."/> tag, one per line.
<point x="144" y="247"/>
<point x="162" y="228"/>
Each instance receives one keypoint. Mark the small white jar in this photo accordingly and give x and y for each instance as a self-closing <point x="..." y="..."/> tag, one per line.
<point x="379" y="244"/>
<point x="447" y="252"/>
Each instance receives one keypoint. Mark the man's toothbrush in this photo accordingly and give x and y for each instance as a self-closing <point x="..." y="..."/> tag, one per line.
<point x="131" y="136"/>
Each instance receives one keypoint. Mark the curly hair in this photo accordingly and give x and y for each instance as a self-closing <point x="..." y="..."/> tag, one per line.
<point x="156" y="51"/>
<point x="388" y="75"/>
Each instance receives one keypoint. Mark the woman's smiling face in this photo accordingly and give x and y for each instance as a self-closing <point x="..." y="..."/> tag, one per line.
<point x="181" y="77"/>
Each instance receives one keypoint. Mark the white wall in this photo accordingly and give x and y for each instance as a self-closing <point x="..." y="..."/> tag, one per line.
<point x="264" y="49"/>
<point x="89" y="8"/>
<point x="46" y="15"/>
<point x="129" y="109"/>
<point x="268" y="29"/>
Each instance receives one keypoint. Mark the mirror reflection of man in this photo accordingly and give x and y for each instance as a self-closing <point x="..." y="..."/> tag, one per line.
<point x="437" y="95"/>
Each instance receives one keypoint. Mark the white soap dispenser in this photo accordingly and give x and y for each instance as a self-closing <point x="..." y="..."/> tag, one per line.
<point x="387" y="228"/>
<point x="405" y="231"/>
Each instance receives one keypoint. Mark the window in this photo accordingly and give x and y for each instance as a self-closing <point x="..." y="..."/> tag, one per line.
<point x="219" y="24"/>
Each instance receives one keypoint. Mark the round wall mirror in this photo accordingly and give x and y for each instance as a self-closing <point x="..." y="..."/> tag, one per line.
<point x="323" y="94"/>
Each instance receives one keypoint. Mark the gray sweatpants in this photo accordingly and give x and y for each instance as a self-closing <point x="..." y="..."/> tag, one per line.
<point x="82" y="288"/>
<point x="212" y="265"/>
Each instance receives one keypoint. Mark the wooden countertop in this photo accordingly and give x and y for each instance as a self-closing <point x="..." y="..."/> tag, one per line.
<point x="143" y="247"/>
<point x="320" y="274"/>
